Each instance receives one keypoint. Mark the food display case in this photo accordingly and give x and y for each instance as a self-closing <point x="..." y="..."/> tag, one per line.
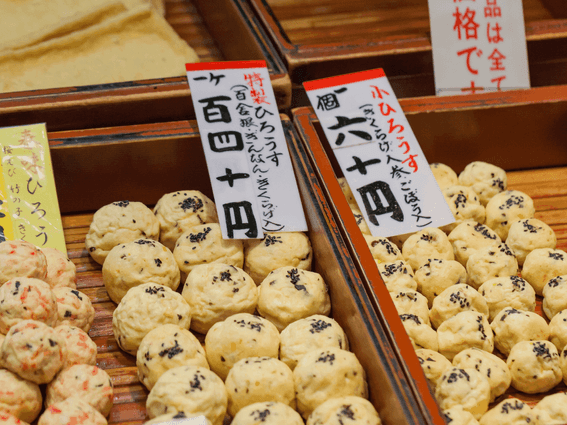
<point x="138" y="140"/>
<point x="456" y="131"/>
<point x="322" y="38"/>
<point x="95" y="167"/>
<point x="223" y="31"/>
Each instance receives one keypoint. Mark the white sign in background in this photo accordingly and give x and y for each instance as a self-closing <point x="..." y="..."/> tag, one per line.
<point x="378" y="153"/>
<point x="245" y="148"/>
<point x="478" y="46"/>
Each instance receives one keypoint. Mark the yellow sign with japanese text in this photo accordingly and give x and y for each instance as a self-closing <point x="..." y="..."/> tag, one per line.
<point x="29" y="209"/>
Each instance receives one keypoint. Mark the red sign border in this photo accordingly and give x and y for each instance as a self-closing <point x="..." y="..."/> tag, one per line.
<point x="341" y="80"/>
<point x="211" y="66"/>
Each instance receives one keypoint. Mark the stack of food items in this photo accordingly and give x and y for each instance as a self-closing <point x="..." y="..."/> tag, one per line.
<point x="64" y="43"/>
<point x="466" y="294"/>
<point x="271" y="352"/>
<point x="44" y="322"/>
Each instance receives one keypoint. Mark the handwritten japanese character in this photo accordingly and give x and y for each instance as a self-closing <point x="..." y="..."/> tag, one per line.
<point x="235" y="210"/>
<point x="256" y="169"/>
<point x="397" y="171"/>
<point x="469" y="52"/>
<point x="44" y="234"/>
<point x="254" y="78"/>
<point x="215" y="112"/>
<point x="377" y="92"/>
<point x="466" y="21"/>
<point x="496" y="57"/>
<point x="223" y="141"/>
<point x="270" y="226"/>
<point x="240" y="91"/>
<point x="264" y="125"/>
<point x="496" y="38"/>
<point x="263" y="111"/>
<point x="37" y="209"/>
<point x="345" y="121"/>
<point x="30" y="180"/>
<point x="473" y="89"/>
<point x="274" y="158"/>
<point x="384" y="146"/>
<point x="406" y="145"/>
<point x="411" y="162"/>
<point x="330" y="101"/>
<point x="394" y="127"/>
<point x="361" y="166"/>
<point x="241" y="108"/>
<point x="498" y="81"/>
<point x="212" y="77"/>
<point x="367" y="110"/>
<point x="373" y="205"/>
<point x="230" y="177"/>
<point x="247" y="122"/>
<point x="388" y="110"/>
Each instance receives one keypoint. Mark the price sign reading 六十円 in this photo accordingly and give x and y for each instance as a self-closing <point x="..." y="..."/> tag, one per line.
<point x="378" y="153"/>
<point x="29" y="209"/>
<point x="245" y="148"/>
<point x="478" y="46"/>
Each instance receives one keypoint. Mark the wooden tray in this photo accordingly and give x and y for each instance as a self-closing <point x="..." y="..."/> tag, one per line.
<point x="95" y="167"/>
<point x="322" y="38"/>
<point x="218" y="31"/>
<point x="547" y="186"/>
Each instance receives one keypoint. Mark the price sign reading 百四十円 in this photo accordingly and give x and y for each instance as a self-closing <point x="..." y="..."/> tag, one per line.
<point x="245" y="148"/>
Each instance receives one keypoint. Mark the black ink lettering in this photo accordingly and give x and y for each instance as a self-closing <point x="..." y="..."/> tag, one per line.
<point x="238" y="223"/>
<point x="372" y="190"/>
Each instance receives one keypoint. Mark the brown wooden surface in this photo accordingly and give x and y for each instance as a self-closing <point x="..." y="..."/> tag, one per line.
<point x="200" y="23"/>
<point x="322" y="38"/>
<point x="316" y="22"/>
<point x="95" y="167"/>
<point x="546" y="186"/>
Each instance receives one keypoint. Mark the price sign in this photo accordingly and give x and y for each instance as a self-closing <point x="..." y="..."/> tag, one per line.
<point x="245" y="148"/>
<point x="29" y="209"/>
<point x="478" y="46"/>
<point x="378" y="153"/>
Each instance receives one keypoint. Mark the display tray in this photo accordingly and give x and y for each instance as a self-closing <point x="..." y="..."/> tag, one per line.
<point x="547" y="184"/>
<point x="322" y="38"/>
<point x="95" y="167"/>
<point x="223" y="30"/>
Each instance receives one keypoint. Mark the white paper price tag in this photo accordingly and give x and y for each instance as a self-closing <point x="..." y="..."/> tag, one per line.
<point x="378" y="153"/>
<point x="478" y="46"/>
<point x="245" y="148"/>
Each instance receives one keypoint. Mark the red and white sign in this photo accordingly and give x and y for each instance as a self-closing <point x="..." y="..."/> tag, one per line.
<point x="245" y="148"/>
<point x="478" y="46"/>
<point x="378" y="153"/>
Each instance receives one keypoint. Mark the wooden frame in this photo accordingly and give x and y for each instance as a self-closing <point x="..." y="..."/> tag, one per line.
<point x="402" y="46"/>
<point x="95" y="167"/>
<point x="225" y="30"/>
<point x="457" y="130"/>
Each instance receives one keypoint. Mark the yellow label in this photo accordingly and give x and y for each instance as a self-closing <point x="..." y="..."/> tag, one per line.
<point x="29" y="209"/>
